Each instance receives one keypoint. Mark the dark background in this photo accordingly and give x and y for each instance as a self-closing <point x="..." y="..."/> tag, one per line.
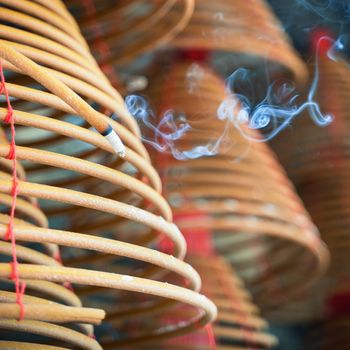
<point x="300" y="18"/>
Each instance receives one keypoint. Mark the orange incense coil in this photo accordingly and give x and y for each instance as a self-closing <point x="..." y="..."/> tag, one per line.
<point x="228" y="290"/>
<point x="241" y="193"/>
<point x="238" y="321"/>
<point x="105" y="212"/>
<point x="49" y="309"/>
<point x="238" y="325"/>
<point x="142" y="26"/>
<point x="247" y="29"/>
<point x="318" y="160"/>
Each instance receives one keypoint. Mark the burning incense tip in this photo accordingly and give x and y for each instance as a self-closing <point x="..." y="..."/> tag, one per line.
<point x="115" y="141"/>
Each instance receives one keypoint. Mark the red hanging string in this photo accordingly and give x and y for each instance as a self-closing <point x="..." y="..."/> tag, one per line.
<point x="10" y="235"/>
<point x="211" y="336"/>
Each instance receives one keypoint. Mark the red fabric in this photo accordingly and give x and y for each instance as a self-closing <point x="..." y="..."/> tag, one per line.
<point x="199" y="240"/>
<point x="10" y="235"/>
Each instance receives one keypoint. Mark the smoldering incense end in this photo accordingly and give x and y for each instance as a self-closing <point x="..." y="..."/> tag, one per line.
<point x="115" y="141"/>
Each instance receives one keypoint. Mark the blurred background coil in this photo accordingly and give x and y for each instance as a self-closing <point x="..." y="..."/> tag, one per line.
<point x="242" y="34"/>
<point x="240" y="192"/>
<point x="238" y="325"/>
<point x="142" y="26"/>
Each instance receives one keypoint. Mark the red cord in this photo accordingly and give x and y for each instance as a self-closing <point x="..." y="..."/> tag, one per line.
<point x="10" y="235"/>
<point x="211" y="336"/>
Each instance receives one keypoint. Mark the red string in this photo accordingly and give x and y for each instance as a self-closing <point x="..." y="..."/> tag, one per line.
<point x="10" y="235"/>
<point x="211" y="336"/>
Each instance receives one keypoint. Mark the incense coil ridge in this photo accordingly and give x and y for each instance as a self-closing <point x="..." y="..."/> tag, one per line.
<point x="47" y="307"/>
<point x="246" y="28"/>
<point x="238" y="319"/>
<point x="143" y="26"/>
<point x="317" y="161"/>
<point x="238" y="326"/>
<point x="238" y="322"/>
<point x="240" y="193"/>
<point x="103" y="210"/>
<point x="320" y="163"/>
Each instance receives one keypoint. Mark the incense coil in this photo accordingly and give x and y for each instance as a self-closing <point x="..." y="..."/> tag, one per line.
<point x="317" y="161"/>
<point x="238" y="325"/>
<point x="46" y="314"/>
<point x="320" y="163"/>
<point x="238" y="321"/>
<point x="247" y="29"/>
<point x="81" y="185"/>
<point x="142" y="26"/>
<point x="235" y="307"/>
<point x="242" y="190"/>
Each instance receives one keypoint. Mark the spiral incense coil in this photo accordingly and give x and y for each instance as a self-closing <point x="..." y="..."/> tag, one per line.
<point x="241" y="194"/>
<point x="142" y="25"/>
<point x="317" y="160"/>
<point x="238" y="322"/>
<point x="105" y="212"/>
<point x="247" y="29"/>
<point x="238" y="325"/>
<point x="320" y="162"/>
<point x="48" y="307"/>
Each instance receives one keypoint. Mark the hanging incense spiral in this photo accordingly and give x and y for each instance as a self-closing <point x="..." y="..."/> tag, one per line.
<point x="105" y="212"/>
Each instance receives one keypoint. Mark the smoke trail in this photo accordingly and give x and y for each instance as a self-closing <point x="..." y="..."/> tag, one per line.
<point x="332" y="15"/>
<point x="171" y="128"/>
<point x="329" y="10"/>
<point x="240" y="110"/>
<point x="277" y="110"/>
